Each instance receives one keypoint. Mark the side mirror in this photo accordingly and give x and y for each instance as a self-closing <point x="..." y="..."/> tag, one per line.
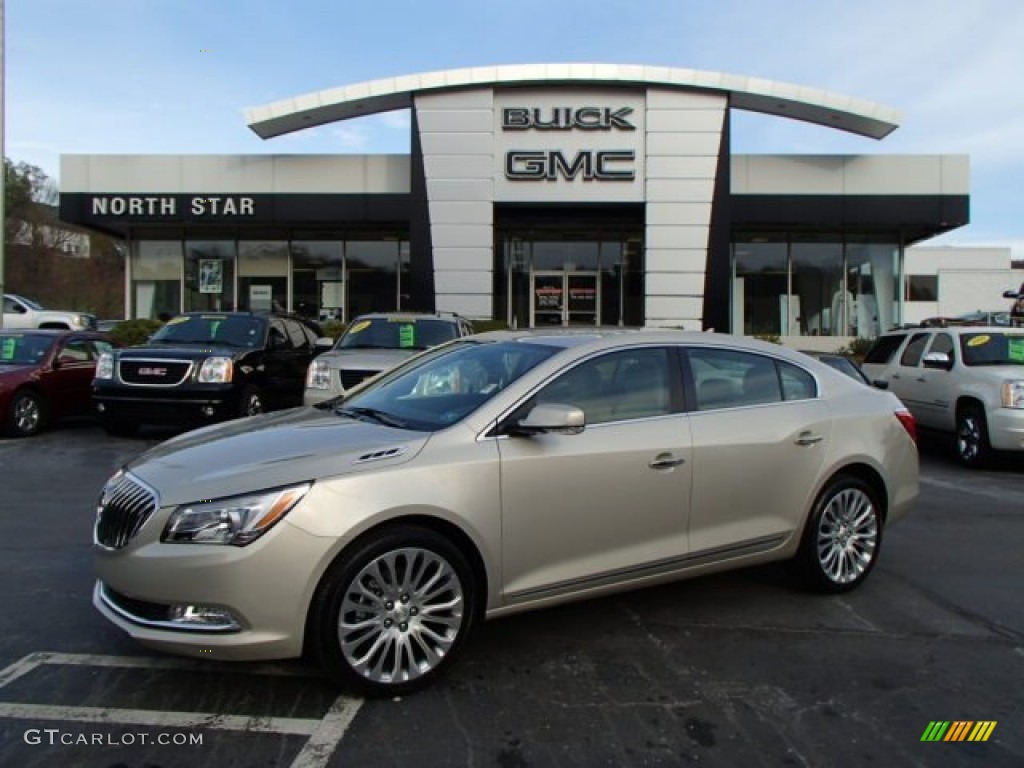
<point x="938" y="360"/>
<point x="879" y="383"/>
<point x="559" y="418"/>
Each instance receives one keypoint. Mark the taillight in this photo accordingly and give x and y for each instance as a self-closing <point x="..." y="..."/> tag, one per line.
<point x="909" y="423"/>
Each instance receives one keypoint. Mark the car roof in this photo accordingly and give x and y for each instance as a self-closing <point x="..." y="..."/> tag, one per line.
<point x="408" y="316"/>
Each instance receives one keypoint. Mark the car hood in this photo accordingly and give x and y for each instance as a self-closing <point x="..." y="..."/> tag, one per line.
<point x="270" y="450"/>
<point x="366" y="359"/>
<point x="179" y="351"/>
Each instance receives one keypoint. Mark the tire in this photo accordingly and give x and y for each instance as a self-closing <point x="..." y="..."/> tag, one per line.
<point x="397" y="640"/>
<point x="251" y="402"/>
<point x="120" y="427"/>
<point x="842" y="538"/>
<point x="27" y="414"/>
<point x="971" y="440"/>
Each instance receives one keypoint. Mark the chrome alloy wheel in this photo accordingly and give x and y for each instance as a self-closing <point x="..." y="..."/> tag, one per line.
<point x="969" y="438"/>
<point x="400" y="615"/>
<point x="847" y="536"/>
<point x="27" y="415"/>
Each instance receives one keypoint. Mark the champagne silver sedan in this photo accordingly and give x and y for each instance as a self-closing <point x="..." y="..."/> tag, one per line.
<point x="494" y="474"/>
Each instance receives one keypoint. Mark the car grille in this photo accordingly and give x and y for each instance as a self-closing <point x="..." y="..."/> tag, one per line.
<point x="124" y="508"/>
<point x="154" y="372"/>
<point x="351" y="379"/>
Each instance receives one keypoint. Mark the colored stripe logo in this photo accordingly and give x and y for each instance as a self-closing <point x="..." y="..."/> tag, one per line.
<point x="958" y="730"/>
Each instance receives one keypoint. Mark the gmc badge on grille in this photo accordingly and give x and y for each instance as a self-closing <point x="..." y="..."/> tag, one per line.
<point x="152" y="371"/>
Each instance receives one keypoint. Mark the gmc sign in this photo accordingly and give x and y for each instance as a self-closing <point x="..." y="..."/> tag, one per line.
<point x="551" y="165"/>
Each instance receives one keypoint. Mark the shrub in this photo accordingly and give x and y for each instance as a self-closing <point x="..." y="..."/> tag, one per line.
<point x="130" y="333"/>
<point x="771" y="338"/>
<point x="482" y="326"/>
<point x="857" y="348"/>
<point x="332" y="328"/>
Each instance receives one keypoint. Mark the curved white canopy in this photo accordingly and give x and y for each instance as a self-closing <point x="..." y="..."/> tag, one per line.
<point x="748" y="93"/>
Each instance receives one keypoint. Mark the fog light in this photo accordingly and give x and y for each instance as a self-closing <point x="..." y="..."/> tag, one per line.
<point x="101" y="407"/>
<point x="202" y="616"/>
<point x="209" y="410"/>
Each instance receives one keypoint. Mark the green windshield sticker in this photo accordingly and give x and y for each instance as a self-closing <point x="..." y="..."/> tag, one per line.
<point x="407" y="336"/>
<point x="1015" y="345"/>
<point x="7" y="348"/>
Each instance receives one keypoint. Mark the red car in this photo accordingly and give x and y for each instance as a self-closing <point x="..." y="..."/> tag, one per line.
<point x="46" y="375"/>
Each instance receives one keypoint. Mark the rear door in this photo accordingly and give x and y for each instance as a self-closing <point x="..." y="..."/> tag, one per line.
<point x="760" y="434"/>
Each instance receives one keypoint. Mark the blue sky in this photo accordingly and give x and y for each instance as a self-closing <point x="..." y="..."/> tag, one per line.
<point x="174" y="76"/>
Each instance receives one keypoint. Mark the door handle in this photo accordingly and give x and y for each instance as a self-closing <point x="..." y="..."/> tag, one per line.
<point x="665" y="461"/>
<point x="806" y="438"/>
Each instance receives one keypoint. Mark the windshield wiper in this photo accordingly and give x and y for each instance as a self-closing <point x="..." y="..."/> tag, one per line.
<point x="372" y="414"/>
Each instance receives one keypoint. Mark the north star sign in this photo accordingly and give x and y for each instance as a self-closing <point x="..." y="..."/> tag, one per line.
<point x="164" y="205"/>
<point x="552" y="165"/>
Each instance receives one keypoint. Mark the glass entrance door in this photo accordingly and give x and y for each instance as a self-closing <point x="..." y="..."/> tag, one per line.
<point x="565" y="298"/>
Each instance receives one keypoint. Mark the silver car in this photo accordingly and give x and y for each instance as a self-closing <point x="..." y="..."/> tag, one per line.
<point x="375" y="343"/>
<point x="494" y="474"/>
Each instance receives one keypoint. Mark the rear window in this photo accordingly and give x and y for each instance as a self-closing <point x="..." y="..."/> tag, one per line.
<point x="883" y="349"/>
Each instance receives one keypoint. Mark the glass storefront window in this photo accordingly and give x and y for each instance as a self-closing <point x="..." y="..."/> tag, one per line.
<point x="156" y="279"/>
<point x="209" y="275"/>
<point x="871" y="271"/>
<point x="760" y="292"/>
<point x="263" y="275"/>
<point x="373" y="271"/>
<point x="823" y="306"/>
<point x="318" y="279"/>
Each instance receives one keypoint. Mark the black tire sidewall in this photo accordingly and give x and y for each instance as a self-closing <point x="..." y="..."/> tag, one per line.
<point x="809" y="565"/>
<point x="326" y="605"/>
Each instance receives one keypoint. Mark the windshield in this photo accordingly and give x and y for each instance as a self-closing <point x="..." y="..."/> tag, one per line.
<point x="221" y="330"/>
<point x="23" y="349"/>
<point x="438" y="389"/>
<point x="992" y="348"/>
<point x="397" y="333"/>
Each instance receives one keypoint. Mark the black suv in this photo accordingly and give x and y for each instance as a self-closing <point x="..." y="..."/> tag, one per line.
<point x="203" y="367"/>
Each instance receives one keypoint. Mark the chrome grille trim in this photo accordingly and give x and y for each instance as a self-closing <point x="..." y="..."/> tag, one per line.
<point x="182" y="370"/>
<point x="124" y="507"/>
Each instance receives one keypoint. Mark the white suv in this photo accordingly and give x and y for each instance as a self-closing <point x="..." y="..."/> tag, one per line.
<point x="968" y="381"/>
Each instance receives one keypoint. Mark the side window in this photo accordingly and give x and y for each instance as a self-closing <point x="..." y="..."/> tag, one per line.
<point x="277" y="337"/>
<point x="294" y="330"/>
<point x="726" y="378"/>
<point x="77" y="350"/>
<point x="915" y="350"/>
<point x="943" y="342"/>
<point x="629" y="384"/>
<point x="797" y="384"/>
<point x="883" y="349"/>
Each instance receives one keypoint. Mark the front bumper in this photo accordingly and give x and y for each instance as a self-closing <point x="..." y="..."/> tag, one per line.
<point x="1006" y="429"/>
<point x="266" y="588"/>
<point x="166" y="406"/>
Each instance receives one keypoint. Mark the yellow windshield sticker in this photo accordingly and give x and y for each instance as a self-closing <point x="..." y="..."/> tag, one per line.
<point x="176" y="320"/>
<point x="359" y="327"/>
<point x="977" y="341"/>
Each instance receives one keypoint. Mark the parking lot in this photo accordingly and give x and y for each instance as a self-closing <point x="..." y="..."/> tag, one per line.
<point x="739" y="669"/>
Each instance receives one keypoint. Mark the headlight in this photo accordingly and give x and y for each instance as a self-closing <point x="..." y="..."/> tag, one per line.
<point x="318" y="376"/>
<point x="238" y="520"/>
<point x="82" y="320"/>
<point x="1013" y="393"/>
<point x="216" y="370"/>
<point x="105" y="366"/>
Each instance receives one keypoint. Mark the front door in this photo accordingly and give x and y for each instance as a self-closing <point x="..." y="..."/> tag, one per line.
<point x="565" y="298"/>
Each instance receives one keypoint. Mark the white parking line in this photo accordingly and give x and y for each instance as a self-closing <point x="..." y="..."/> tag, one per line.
<point x="325" y="734"/>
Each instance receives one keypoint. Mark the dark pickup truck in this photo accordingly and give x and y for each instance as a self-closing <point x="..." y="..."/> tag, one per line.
<point x="203" y="367"/>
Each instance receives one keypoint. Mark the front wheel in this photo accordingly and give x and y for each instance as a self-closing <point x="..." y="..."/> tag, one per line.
<point x="392" y="614"/>
<point x="972" y="445"/>
<point x="842" y="538"/>
<point x="27" y="415"/>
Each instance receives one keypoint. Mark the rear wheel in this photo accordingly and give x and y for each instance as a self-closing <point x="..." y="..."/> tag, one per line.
<point x="842" y="538"/>
<point x="27" y="414"/>
<point x="393" y="613"/>
<point x="972" y="445"/>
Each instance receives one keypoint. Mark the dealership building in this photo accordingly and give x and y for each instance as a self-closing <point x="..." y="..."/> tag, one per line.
<point x="538" y="195"/>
